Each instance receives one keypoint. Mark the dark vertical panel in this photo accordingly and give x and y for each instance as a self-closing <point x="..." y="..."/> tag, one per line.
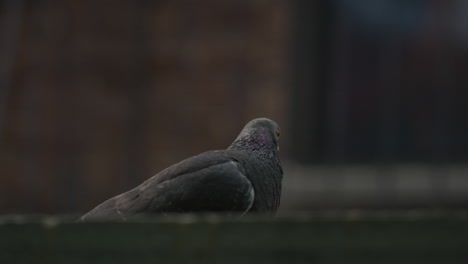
<point x="338" y="97"/>
<point x="442" y="92"/>
<point x="10" y="28"/>
<point x="30" y="172"/>
<point x="309" y="78"/>
<point x="69" y="154"/>
<point x="389" y="82"/>
<point x="137" y="87"/>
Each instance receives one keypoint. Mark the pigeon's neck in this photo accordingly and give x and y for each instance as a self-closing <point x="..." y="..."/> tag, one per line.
<point x="263" y="167"/>
<point x="255" y="141"/>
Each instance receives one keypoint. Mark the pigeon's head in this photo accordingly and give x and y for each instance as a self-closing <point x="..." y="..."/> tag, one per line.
<point x="261" y="134"/>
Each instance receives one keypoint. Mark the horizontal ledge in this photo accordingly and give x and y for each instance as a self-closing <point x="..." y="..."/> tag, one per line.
<point x="322" y="215"/>
<point x="332" y="237"/>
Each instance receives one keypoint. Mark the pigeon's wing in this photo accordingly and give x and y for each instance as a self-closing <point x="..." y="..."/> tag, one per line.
<point x="208" y="182"/>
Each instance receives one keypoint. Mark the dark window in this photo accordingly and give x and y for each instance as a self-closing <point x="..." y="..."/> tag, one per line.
<point x="378" y="81"/>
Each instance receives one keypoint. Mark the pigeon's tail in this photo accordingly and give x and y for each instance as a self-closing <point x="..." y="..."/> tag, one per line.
<point x="117" y="208"/>
<point x="105" y="210"/>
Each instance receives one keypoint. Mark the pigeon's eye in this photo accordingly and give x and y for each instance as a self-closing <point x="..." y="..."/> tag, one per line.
<point x="278" y="133"/>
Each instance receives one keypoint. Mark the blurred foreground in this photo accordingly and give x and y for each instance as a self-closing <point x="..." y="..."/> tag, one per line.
<point x="397" y="237"/>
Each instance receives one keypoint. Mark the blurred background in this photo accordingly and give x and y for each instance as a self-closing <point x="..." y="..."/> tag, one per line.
<point x="371" y="95"/>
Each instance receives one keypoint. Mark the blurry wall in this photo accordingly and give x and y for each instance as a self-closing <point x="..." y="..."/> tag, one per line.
<point x="379" y="108"/>
<point x="389" y="81"/>
<point x="99" y="95"/>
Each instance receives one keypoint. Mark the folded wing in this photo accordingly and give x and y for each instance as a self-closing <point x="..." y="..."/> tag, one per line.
<point x="192" y="185"/>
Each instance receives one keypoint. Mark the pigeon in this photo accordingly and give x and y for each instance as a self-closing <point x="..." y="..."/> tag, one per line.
<point x="245" y="177"/>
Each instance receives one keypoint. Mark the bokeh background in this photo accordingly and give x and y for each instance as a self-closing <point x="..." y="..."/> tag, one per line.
<point x="371" y="95"/>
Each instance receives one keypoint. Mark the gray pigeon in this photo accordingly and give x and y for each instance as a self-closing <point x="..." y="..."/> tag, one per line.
<point x="246" y="177"/>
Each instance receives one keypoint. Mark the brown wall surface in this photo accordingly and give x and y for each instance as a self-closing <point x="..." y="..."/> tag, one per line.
<point x="104" y="95"/>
